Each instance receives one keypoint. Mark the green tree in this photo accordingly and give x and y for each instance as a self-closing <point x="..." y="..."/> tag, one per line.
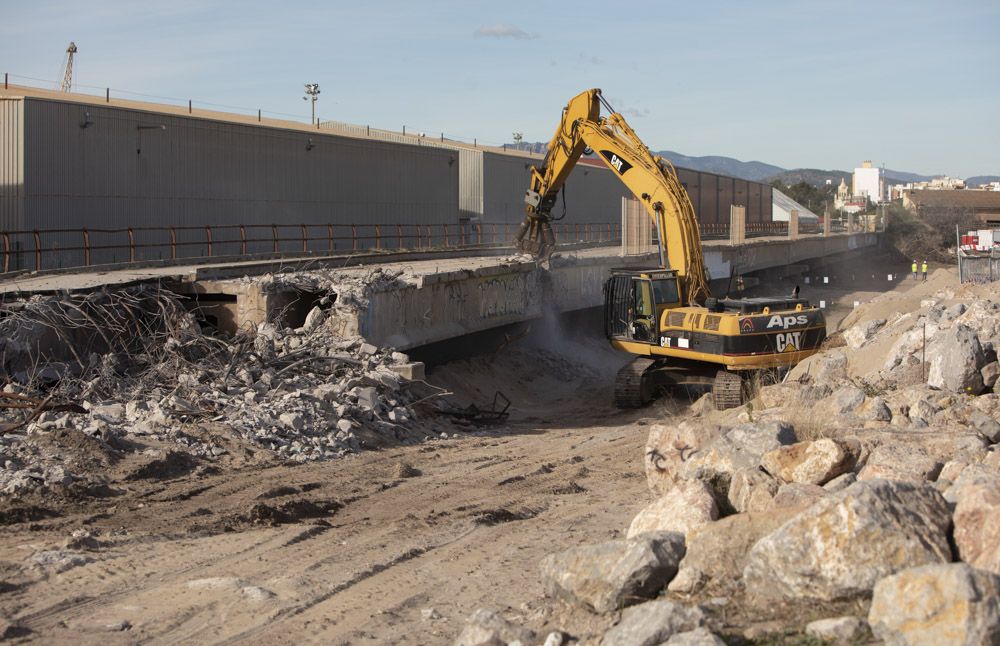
<point x="813" y="198"/>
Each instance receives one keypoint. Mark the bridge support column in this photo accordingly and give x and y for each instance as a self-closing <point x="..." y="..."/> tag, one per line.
<point x="737" y="224"/>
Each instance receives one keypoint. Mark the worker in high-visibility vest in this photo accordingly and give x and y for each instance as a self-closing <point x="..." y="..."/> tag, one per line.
<point x="923" y="269"/>
<point x="913" y="268"/>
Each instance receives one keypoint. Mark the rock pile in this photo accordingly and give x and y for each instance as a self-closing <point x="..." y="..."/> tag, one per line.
<point x="869" y="477"/>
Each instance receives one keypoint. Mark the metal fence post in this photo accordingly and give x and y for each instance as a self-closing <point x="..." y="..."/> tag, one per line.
<point x="173" y="243"/>
<point x="329" y="237"/>
<point x="399" y="236"/>
<point x="131" y="245"/>
<point x="305" y="243"/>
<point x="208" y="239"/>
<point x="243" y="240"/>
<point x="958" y="253"/>
<point x="86" y="247"/>
<point x="38" y="250"/>
<point x="6" y="252"/>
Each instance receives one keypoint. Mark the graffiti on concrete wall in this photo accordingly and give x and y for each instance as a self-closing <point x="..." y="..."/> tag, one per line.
<point x="508" y="295"/>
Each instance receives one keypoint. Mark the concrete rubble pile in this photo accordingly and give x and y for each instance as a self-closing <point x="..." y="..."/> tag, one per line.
<point x="302" y="394"/>
<point x="856" y="500"/>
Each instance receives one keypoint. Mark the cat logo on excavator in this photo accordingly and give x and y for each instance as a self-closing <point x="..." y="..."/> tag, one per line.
<point x="788" y="341"/>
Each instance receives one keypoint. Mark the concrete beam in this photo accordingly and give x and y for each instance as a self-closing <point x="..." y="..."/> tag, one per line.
<point x="443" y="306"/>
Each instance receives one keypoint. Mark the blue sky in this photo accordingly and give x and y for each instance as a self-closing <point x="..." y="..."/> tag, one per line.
<point x="913" y="85"/>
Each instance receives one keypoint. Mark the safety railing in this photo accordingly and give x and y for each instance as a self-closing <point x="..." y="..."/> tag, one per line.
<point x="85" y="247"/>
<point x="720" y="230"/>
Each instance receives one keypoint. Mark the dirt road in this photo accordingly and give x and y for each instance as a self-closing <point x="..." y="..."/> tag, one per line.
<point x="349" y="551"/>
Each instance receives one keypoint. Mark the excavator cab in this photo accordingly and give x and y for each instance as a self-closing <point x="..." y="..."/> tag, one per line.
<point x="634" y="301"/>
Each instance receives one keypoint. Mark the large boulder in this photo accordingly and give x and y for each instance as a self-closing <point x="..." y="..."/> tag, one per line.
<point x="902" y="462"/>
<point x="840" y="630"/>
<point x="858" y="335"/>
<point x="956" y="358"/>
<point x="692" y="451"/>
<point x="798" y="495"/>
<point x="908" y="345"/>
<point x="977" y="524"/>
<point x="689" y="506"/>
<point x="716" y="553"/>
<point x="751" y="490"/>
<point x="653" y="623"/>
<point x="669" y="447"/>
<point x="738" y="450"/>
<point x="839" y="548"/>
<point x="951" y="603"/>
<point x="606" y="576"/>
<point x="969" y="480"/>
<point x="815" y="462"/>
<point x="825" y="368"/>
<point x="847" y="399"/>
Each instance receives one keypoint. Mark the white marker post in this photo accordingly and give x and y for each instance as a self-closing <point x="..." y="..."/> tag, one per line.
<point x="826" y="280"/>
<point x="822" y="305"/>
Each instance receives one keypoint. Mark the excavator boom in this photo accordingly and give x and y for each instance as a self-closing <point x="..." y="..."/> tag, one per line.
<point x="651" y="179"/>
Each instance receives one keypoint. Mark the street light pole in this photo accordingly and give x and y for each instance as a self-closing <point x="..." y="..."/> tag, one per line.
<point x="312" y="94"/>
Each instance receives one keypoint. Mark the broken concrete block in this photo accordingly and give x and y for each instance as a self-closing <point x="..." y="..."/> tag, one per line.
<point x="293" y="421"/>
<point x="367" y="398"/>
<point x="411" y="371"/>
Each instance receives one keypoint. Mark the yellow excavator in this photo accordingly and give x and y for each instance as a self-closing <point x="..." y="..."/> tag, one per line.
<point x="665" y="315"/>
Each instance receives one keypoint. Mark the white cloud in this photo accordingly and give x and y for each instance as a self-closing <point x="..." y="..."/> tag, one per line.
<point x="502" y="30"/>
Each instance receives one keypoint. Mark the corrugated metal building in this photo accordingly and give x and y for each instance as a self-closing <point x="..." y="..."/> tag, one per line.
<point x="75" y="161"/>
<point x="69" y="165"/>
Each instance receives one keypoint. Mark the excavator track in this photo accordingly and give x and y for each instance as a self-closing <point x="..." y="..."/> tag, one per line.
<point x="727" y="391"/>
<point x="633" y="386"/>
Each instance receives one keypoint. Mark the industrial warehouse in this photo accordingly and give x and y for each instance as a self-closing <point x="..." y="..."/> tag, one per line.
<point x="79" y="162"/>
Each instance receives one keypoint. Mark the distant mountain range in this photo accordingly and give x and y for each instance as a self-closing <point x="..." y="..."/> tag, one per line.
<point x="752" y="170"/>
<point x="762" y="172"/>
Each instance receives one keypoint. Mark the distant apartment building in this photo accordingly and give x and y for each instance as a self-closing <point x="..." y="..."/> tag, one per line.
<point x="943" y="183"/>
<point x="868" y="182"/>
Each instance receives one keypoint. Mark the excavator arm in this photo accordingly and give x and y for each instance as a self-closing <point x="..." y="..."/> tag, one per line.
<point x="651" y="179"/>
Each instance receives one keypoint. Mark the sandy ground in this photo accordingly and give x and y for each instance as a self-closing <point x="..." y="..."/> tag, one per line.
<point x="351" y="551"/>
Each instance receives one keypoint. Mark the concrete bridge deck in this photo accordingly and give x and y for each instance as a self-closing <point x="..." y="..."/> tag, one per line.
<point x="437" y="296"/>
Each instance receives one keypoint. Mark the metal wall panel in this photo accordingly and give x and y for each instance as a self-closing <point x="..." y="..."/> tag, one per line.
<point x="593" y="193"/>
<point x="709" y="200"/>
<point x="753" y="202"/>
<point x="725" y="196"/>
<point x="11" y="164"/>
<point x="691" y="181"/>
<point x="130" y="168"/>
<point x="470" y="184"/>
